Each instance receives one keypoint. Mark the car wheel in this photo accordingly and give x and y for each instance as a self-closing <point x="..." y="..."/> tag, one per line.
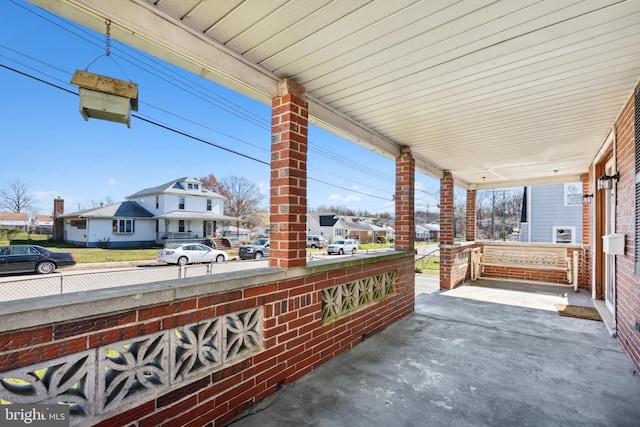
<point x="340" y="252"/>
<point x="220" y="258"/>
<point x="258" y="255"/>
<point x="183" y="260"/>
<point x="353" y="251"/>
<point x="45" y="267"/>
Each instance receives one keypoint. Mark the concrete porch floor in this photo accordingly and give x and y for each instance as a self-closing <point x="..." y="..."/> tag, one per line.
<point x="487" y="354"/>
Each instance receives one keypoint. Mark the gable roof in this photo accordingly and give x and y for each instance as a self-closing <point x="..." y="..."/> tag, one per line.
<point x="177" y="186"/>
<point x="117" y="210"/>
<point x="13" y="216"/>
<point x="328" y="220"/>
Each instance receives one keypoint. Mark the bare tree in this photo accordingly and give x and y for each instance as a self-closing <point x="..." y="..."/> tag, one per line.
<point x="243" y="199"/>
<point x="17" y="198"/>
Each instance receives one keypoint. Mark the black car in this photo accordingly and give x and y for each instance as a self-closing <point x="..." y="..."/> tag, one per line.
<point x="32" y="258"/>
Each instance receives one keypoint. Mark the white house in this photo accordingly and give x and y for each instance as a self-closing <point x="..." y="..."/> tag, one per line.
<point x="180" y="210"/>
<point x="19" y="220"/>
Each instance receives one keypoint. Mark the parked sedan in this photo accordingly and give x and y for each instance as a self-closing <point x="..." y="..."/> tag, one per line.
<point x="190" y="253"/>
<point x="341" y="247"/>
<point x="32" y="259"/>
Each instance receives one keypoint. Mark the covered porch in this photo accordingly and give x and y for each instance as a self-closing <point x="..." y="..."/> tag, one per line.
<point x="489" y="354"/>
<point x="477" y="95"/>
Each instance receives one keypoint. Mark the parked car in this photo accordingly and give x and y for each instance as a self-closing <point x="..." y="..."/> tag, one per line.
<point x="341" y="247"/>
<point x="315" y="241"/>
<point x="256" y="250"/>
<point x="33" y="259"/>
<point x="190" y="253"/>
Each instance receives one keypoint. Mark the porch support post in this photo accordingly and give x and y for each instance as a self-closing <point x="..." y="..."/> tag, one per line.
<point x="585" y="271"/>
<point x="446" y="231"/>
<point x="288" y="205"/>
<point x="471" y="216"/>
<point x="405" y="203"/>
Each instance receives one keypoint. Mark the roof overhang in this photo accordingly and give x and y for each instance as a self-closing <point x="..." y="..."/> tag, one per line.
<point x="500" y="93"/>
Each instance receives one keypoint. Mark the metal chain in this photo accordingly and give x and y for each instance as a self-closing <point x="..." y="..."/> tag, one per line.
<point x="108" y="42"/>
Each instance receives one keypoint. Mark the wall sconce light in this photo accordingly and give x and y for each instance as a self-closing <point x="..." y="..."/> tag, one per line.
<point x="587" y="198"/>
<point x="605" y="182"/>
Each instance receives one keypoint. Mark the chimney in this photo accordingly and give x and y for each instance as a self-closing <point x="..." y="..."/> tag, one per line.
<point x="58" y="207"/>
<point x="58" y="223"/>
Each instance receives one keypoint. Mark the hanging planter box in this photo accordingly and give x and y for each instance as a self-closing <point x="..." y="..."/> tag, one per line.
<point x="106" y="98"/>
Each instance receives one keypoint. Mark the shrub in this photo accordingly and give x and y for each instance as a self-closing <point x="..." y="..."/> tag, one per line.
<point x="382" y="240"/>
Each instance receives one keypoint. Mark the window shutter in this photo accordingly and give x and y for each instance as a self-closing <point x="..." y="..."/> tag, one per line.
<point x="636" y="126"/>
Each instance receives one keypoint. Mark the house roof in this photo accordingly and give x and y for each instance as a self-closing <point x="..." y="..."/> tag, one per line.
<point x="327" y="220"/>
<point x="117" y="210"/>
<point x="500" y="93"/>
<point x="13" y="216"/>
<point x="43" y="218"/>
<point x="177" y="186"/>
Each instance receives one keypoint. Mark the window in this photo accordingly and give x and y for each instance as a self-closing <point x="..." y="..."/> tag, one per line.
<point x="573" y="194"/>
<point x="157" y="202"/>
<point x="181" y="226"/>
<point x="181" y="203"/>
<point x="190" y="186"/>
<point x="193" y="186"/>
<point x="564" y="234"/>
<point x="208" y="204"/>
<point x="123" y="226"/>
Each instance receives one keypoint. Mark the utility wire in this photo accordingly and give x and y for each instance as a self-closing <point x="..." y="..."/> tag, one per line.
<point x="188" y="85"/>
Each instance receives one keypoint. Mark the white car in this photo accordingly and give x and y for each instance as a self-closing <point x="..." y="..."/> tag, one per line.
<point x="342" y="247"/>
<point x="190" y="253"/>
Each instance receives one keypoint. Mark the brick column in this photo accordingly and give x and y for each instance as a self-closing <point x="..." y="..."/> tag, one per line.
<point x="288" y="210"/>
<point x="470" y="216"/>
<point x="405" y="203"/>
<point x="446" y="209"/>
<point x="447" y="252"/>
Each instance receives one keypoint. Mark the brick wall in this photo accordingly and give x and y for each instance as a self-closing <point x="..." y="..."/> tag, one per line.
<point x="627" y="283"/>
<point x="295" y="340"/>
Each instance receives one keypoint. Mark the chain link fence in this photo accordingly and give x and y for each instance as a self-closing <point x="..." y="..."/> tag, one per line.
<point x="61" y="283"/>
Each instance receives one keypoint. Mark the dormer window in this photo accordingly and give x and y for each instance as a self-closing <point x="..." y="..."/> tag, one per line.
<point x="191" y="186"/>
<point x="181" y="203"/>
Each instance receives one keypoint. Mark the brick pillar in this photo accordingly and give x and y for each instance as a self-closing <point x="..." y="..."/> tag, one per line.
<point x="58" y="223"/>
<point x="447" y="253"/>
<point x="405" y="203"/>
<point x="471" y="216"/>
<point x="288" y="211"/>
<point x="446" y="209"/>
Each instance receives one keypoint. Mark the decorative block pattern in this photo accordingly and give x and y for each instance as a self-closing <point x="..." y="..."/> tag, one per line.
<point x="68" y="379"/>
<point x="346" y="298"/>
<point x="122" y="374"/>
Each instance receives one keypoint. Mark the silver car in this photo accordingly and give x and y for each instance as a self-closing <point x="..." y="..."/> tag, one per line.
<point x="342" y="247"/>
<point x="190" y="253"/>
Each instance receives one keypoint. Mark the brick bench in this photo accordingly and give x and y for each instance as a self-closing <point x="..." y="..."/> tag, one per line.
<point x="525" y="257"/>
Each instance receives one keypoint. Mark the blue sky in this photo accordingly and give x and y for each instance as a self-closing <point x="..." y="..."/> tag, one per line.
<point x="48" y="145"/>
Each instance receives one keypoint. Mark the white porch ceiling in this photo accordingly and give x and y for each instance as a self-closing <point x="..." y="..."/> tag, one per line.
<point x="499" y="92"/>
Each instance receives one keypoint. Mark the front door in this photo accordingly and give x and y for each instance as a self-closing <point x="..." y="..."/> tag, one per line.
<point x="610" y="227"/>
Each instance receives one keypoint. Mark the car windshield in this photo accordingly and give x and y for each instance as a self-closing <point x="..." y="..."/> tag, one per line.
<point x="260" y="242"/>
<point x="339" y="242"/>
